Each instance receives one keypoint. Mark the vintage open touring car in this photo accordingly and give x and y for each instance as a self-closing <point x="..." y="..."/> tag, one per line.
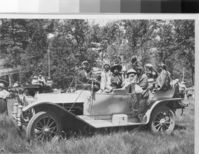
<point x="46" y="115"/>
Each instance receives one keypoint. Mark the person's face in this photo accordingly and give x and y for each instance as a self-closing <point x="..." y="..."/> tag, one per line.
<point x="131" y="76"/>
<point x="160" y="69"/>
<point x="85" y="66"/>
<point x="138" y="71"/>
<point x="116" y="71"/>
<point x="107" y="68"/>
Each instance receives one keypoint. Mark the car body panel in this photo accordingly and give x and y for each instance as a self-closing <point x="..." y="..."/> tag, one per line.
<point x="108" y="104"/>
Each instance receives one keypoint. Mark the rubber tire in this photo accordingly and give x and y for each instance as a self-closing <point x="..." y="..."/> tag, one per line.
<point x="3" y="106"/>
<point x="38" y="116"/>
<point x="155" y="112"/>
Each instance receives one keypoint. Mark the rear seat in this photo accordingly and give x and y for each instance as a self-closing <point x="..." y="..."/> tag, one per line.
<point x="159" y="95"/>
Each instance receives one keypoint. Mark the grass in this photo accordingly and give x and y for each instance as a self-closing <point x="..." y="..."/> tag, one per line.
<point x="122" y="141"/>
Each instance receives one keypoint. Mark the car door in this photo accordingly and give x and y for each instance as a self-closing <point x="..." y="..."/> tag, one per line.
<point x="110" y="103"/>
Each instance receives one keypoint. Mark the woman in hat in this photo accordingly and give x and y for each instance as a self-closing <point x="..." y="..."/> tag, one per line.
<point x="116" y="80"/>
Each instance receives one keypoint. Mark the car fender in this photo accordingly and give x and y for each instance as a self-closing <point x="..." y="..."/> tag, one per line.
<point x="158" y="103"/>
<point x="70" y="120"/>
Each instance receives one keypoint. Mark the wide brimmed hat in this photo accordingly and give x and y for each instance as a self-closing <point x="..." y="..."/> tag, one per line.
<point x="133" y="59"/>
<point x="131" y="71"/>
<point x="1" y="85"/>
<point x="118" y="66"/>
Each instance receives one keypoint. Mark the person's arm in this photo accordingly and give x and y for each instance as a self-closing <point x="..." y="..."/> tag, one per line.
<point x="108" y="85"/>
<point x="103" y="81"/>
<point x="143" y="82"/>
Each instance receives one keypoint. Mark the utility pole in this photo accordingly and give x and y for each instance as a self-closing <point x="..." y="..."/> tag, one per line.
<point x="50" y="37"/>
<point x="49" y="63"/>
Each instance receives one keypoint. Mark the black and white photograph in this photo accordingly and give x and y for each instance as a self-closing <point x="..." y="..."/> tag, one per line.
<point x="97" y="85"/>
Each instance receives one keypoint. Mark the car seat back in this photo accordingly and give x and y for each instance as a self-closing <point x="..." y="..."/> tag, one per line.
<point x="159" y="95"/>
<point x="119" y="91"/>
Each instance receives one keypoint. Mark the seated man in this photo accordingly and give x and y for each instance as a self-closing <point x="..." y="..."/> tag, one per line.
<point x="131" y="74"/>
<point x="85" y="76"/>
<point x="116" y="79"/>
<point x="151" y="74"/>
<point x="49" y="82"/>
<point x="41" y="79"/>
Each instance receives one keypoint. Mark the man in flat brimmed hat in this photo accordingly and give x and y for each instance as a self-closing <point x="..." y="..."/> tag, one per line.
<point x="116" y="80"/>
<point x="105" y="75"/>
<point x="131" y="74"/>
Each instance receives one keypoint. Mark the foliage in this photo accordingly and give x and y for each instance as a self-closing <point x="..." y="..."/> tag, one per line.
<point x="26" y="44"/>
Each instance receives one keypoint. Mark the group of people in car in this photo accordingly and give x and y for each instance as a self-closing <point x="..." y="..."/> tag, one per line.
<point x="112" y="77"/>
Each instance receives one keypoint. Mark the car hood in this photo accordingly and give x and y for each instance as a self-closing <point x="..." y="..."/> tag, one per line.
<point x="78" y="96"/>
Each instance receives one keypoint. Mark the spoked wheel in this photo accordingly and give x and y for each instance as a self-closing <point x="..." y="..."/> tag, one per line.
<point x="43" y="126"/>
<point x="162" y="120"/>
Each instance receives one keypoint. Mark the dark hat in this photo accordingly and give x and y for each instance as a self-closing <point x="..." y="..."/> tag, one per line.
<point x="107" y="64"/>
<point x="133" y="59"/>
<point x="118" y="66"/>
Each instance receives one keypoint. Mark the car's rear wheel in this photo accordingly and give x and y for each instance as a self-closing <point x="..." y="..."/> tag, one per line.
<point x="44" y="126"/>
<point x="162" y="120"/>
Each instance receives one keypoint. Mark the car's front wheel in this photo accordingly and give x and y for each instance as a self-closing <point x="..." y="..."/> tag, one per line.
<point x="43" y="126"/>
<point x="162" y="120"/>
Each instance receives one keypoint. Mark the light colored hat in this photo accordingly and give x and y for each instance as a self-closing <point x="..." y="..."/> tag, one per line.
<point x="85" y="62"/>
<point x="149" y="65"/>
<point x="1" y="85"/>
<point x="34" y="77"/>
<point x="131" y="71"/>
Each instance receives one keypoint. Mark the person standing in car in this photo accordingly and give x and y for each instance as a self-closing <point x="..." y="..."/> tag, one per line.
<point x="163" y="80"/>
<point x="105" y="75"/>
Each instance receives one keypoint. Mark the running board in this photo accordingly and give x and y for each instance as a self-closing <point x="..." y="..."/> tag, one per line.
<point x="101" y="123"/>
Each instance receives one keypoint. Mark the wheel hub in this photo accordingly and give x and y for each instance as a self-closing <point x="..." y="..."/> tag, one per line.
<point x="162" y="121"/>
<point x="46" y="129"/>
